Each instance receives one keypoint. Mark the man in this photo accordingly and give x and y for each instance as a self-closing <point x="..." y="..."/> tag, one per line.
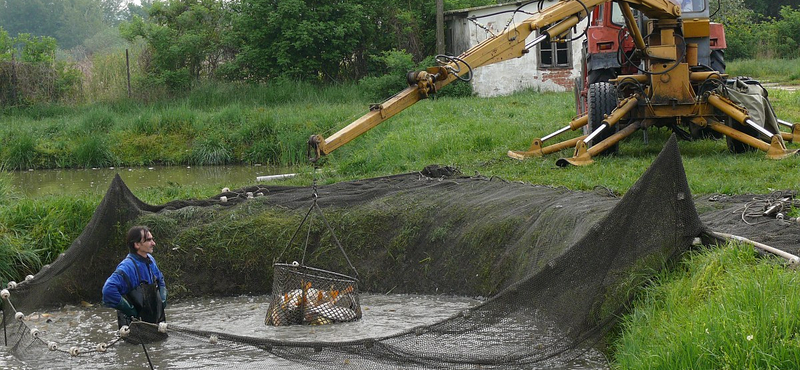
<point x="136" y="288"/>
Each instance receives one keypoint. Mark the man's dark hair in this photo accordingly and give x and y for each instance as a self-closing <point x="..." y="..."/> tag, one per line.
<point x="135" y="235"/>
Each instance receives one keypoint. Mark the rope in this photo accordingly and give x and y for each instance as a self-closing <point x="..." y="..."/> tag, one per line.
<point x="315" y="205"/>
<point x="144" y="348"/>
<point x="774" y="205"/>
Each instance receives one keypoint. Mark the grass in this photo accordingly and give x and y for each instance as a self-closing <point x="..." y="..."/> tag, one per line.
<point x="768" y="70"/>
<point x="722" y="308"/>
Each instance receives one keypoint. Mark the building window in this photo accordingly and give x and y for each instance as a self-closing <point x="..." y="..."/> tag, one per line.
<point x="555" y="54"/>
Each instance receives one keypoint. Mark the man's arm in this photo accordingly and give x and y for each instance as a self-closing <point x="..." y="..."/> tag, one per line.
<point x="113" y="290"/>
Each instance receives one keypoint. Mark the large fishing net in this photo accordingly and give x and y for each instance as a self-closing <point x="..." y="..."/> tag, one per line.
<point x="560" y="266"/>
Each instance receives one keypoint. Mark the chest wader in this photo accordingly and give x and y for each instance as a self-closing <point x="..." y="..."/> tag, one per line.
<point x="147" y="301"/>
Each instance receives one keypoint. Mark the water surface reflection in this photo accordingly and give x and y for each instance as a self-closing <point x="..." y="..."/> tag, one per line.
<point x="73" y="181"/>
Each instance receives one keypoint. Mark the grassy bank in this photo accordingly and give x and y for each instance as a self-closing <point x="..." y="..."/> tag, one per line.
<point x="270" y="124"/>
<point x="721" y="308"/>
<point x="246" y="124"/>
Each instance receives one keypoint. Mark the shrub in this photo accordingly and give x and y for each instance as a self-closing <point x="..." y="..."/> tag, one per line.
<point x="398" y="63"/>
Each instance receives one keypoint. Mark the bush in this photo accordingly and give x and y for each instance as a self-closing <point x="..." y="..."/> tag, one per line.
<point x="785" y="34"/>
<point x="398" y="63"/>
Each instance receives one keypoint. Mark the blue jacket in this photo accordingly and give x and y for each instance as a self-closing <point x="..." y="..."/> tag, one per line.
<point x="134" y="267"/>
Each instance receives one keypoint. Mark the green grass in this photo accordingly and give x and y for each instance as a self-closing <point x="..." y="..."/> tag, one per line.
<point x="722" y="308"/>
<point x="768" y="70"/>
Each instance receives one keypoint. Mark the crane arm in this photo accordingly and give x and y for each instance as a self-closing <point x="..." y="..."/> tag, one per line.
<point x="551" y="22"/>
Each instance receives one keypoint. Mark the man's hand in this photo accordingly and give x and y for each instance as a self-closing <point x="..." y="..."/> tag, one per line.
<point x="126" y="308"/>
<point x="162" y="291"/>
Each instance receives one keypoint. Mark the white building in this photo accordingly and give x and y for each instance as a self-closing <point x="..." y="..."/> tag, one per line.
<point x="547" y="67"/>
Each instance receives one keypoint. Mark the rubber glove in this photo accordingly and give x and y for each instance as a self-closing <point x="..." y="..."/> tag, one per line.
<point x="162" y="291"/>
<point x="126" y="308"/>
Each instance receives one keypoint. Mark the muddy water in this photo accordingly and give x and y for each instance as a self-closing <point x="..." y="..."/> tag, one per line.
<point x="86" y="327"/>
<point x="74" y="181"/>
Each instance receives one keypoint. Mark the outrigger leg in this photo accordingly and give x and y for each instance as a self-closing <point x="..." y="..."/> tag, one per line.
<point x="536" y="149"/>
<point x="792" y="137"/>
<point x="583" y="154"/>
<point x="776" y="149"/>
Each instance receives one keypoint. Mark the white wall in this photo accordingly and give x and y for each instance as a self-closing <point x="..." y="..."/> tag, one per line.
<point x="520" y="73"/>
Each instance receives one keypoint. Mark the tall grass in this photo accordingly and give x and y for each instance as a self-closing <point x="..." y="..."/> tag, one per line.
<point x="108" y="79"/>
<point x="771" y="70"/>
<point x="19" y="152"/>
<point x="720" y="309"/>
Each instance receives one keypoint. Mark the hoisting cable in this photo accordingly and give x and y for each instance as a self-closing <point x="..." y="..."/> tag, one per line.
<point x="315" y="205"/>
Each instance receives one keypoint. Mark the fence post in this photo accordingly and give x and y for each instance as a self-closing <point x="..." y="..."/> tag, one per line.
<point x="128" y="69"/>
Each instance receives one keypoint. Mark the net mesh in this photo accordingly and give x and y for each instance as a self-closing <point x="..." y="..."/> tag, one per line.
<point x="564" y="304"/>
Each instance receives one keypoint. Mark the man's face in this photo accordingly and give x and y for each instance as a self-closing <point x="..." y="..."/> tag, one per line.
<point x="146" y="245"/>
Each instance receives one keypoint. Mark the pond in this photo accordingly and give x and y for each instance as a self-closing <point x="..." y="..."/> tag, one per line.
<point x="85" y="327"/>
<point x="35" y="183"/>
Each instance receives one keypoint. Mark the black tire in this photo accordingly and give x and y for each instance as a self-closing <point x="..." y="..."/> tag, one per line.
<point x="602" y="101"/>
<point x="596" y="76"/>
<point x="736" y="146"/>
<point x="601" y="75"/>
<point x="717" y="60"/>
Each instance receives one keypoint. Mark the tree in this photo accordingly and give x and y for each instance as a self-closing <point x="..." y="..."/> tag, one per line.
<point x="185" y="37"/>
<point x="329" y="40"/>
<point x="17" y="15"/>
<point x="69" y="21"/>
<point x="769" y="9"/>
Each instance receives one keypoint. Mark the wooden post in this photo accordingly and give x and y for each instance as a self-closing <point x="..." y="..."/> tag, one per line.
<point x="13" y="101"/>
<point x="128" y="68"/>
<point x="440" y="27"/>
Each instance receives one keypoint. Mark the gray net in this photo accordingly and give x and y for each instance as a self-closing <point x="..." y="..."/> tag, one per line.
<point x="561" y="266"/>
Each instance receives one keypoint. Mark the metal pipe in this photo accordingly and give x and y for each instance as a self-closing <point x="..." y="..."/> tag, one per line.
<point x="758" y="128"/>
<point x="792" y="258"/>
<point x="595" y="133"/>
<point x="630" y="21"/>
<point x="785" y="123"/>
<point x="536" y="41"/>
<point x="559" y="132"/>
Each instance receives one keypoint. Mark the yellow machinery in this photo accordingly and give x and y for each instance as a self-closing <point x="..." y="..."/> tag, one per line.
<point x="668" y="92"/>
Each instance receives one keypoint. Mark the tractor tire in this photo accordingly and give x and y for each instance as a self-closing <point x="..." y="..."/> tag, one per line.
<point x="596" y="76"/>
<point x="601" y="75"/>
<point x="717" y="60"/>
<point x="602" y="101"/>
<point x="736" y="146"/>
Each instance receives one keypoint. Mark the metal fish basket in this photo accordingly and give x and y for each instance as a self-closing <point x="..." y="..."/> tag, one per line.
<point x="303" y="295"/>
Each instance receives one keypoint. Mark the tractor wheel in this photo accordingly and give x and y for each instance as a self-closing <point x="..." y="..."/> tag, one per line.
<point x="602" y="101"/>
<point x="601" y="75"/>
<point x="717" y="60"/>
<point x="736" y="146"/>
